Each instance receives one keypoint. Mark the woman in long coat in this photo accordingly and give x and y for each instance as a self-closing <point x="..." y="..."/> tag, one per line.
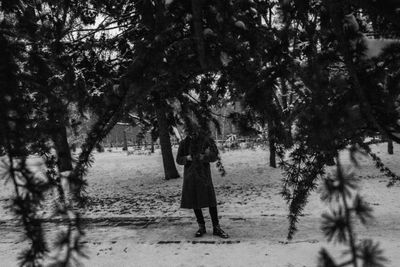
<point x="196" y="152"/>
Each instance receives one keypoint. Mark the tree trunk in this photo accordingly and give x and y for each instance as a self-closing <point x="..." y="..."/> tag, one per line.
<point x="272" y="148"/>
<point x="289" y="138"/>
<point x="125" y="146"/>
<point x="390" y="147"/>
<point x="63" y="152"/>
<point x="272" y="154"/>
<point x="170" y="170"/>
<point x="152" y="146"/>
<point x="197" y="11"/>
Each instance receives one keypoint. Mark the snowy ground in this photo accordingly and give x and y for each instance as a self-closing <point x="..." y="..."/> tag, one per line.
<point x="134" y="218"/>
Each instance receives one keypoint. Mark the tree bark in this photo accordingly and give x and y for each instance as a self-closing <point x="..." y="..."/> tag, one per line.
<point x="62" y="147"/>
<point x="390" y="147"/>
<point x="152" y="146"/>
<point x="170" y="170"/>
<point x="125" y="146"/>
<point x="272" y="147"/>
<point x="198" y="31"/>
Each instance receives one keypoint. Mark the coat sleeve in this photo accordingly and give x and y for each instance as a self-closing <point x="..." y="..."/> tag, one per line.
<point x="180" y="157"/>
<point x="213" y="155"/>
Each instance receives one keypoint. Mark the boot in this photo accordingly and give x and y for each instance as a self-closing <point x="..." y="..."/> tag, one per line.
<point x="201" y="231"/>
<point x="219" y="232"/>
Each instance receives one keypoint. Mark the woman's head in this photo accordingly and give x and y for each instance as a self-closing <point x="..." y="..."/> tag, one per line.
<point x="193" y="129"/>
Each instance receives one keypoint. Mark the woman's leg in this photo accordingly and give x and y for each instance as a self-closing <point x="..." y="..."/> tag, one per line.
<point x="201" y="222"/>
<point x="199" y="216"/>
<point x="216" y="228"/>
<point x="214" y="216"/>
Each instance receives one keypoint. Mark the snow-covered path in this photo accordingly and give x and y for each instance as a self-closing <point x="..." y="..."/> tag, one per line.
<point x="257" y="241"/>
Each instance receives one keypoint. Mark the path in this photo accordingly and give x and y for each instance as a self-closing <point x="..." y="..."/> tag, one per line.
<point x="256" y="241"/>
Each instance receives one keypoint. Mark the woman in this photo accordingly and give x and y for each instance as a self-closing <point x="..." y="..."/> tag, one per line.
<point x="196" y="152"/>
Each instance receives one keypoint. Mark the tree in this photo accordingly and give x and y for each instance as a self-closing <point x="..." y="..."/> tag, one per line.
<point x="165" y="143"/>
<point x="354" y="101"/>
<point x="390" y="147"/>
<point x="40" y="81"/>
<point x="22" y="115"/>
<point x="261" y="76"/>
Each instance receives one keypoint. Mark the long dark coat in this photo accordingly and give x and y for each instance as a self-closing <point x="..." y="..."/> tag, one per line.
<point x="198" y="190"/>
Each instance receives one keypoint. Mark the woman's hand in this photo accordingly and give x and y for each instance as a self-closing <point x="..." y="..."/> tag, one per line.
<point x="189" y="158"/>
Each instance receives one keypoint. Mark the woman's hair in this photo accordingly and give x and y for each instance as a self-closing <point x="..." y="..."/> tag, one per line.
<point x="197" y="131"/>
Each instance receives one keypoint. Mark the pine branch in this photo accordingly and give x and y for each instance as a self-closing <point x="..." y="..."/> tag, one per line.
<point x="302" y="173"/>
<point x="347" y="212"/>
<point x="341" y="223"/>
<point x="394" y="178"/>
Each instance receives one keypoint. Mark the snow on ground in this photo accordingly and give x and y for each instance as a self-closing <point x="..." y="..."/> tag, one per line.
<point x="134" y="217"/>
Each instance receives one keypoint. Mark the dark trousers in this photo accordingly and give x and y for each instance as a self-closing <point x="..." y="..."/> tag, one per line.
<point x="213" y="214"/>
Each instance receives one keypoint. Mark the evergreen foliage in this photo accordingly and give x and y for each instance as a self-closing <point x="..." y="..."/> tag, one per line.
<point x="39" y="82"/>
<point x="345" y="95"/>
<point x="338" y="224"/>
